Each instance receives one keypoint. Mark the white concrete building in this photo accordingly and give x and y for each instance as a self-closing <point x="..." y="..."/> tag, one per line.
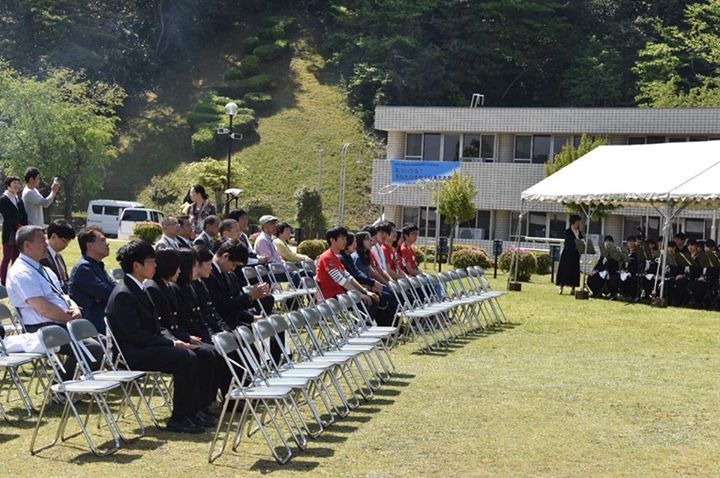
<point x="504" y="150"/>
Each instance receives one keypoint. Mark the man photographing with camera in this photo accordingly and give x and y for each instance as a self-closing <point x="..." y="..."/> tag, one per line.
<point x="33" y="200"/>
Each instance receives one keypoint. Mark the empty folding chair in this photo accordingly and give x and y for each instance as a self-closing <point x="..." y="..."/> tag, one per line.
<point x="130" y="380"/>
<point x="272" y="401"/>
<point x="322" y="346"/>
<point x="330" y="370"/>
<point x="357" y="328"/>
<point x="276" y="273"/>
<point x="347" y="337"/>
<point x="117" y="274"/>
<point x="52" y="338"/>
<point x="253" y="357"/>
<point x="483" y="285"/>
<point x="309" y="266"/>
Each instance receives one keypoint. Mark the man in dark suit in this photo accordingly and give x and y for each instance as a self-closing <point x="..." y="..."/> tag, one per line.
<point x="90" y="286"/>
<point x="14" y="217"/>
<point x="145" y="345"/>
<point x="185" y="232"/>
<point x="235" y="306"/>
<point x="211" y="226"/>
<point x="59" y="235"/>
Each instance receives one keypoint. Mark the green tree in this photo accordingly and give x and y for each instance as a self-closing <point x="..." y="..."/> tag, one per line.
<point x="456" y="203"/>
<point x="568" y="155"/>
<point x="309" y="215"/>
<point x="63" y="124"/>
<point x="681" y="67"/>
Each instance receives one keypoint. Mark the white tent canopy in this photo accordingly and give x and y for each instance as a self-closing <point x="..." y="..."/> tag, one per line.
<point x="671" y="176"/>
<point x="637" y="175"/>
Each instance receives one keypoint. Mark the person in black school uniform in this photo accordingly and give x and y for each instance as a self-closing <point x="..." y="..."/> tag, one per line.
<point x="135" y="323"/>
<point x="568" y="273"/>
<point x="14" y="217"/>
<point x="163" y="291"/>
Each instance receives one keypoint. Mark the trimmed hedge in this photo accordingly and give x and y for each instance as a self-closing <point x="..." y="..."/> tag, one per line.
<point x="270" y="51"/>
<point x="238" y="88"/>
<point x="244" y="123"/>
<point x="147" y="231"/>
<point x="527" y="265"/>
<point x="203" y="142"/>
<point x="250" y="43"/>
<point x="259" y="101"/>
<point x="199" y="118"/>
<point x="250" y="65"/>
<point x="312" y="247"/>
<point x="428" y="251"/>
<point x="471" y="257"/>
<point x="543" y="262"/>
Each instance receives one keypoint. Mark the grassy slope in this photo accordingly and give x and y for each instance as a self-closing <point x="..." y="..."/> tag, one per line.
<point x="286" y="156"/>
<point x="569" y="389"/>
<point x="155" y="138"/>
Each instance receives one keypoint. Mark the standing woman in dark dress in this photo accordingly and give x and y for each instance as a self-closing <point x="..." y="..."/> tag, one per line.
<point x="569" y="269"/>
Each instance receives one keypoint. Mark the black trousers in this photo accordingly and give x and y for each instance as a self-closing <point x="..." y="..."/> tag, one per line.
<point x="206" y="385"/>
<point x="188" y="396"/>
<point x="70" y="361"/>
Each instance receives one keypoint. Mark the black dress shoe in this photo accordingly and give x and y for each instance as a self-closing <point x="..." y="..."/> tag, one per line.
<point x="203" y="420"/>
<point x="211" y="412"/>
<point x="183" y="425"/>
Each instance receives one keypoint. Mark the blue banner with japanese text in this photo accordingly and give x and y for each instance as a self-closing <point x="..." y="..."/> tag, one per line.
<point x="410" y="172"/>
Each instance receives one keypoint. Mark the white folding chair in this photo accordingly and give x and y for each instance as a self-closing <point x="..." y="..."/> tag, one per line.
<point x="272" y="401"/>
<point x="52" y="338"/>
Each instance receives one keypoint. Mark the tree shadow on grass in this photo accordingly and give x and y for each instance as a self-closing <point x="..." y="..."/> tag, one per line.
<point x="296" y="464"/>
<point x="4" y="437"/>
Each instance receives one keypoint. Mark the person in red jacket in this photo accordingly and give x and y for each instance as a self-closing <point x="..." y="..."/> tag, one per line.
<point x="332" y="278"/>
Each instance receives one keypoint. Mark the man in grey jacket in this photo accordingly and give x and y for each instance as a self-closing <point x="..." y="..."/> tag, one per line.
<point x="33" y="200"/>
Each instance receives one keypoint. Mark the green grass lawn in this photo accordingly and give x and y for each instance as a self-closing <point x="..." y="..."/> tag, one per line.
<point x="569" y="388"/>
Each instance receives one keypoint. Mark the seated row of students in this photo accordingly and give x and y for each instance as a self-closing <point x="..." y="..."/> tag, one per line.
<point x="692" y="272"/>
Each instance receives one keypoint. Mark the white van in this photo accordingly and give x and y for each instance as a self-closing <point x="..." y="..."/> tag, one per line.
<point x="132" y="216"/>
<point x="105" y="214"/>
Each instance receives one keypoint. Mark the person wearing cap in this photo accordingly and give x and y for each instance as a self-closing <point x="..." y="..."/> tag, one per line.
<point x="264" y="244"/>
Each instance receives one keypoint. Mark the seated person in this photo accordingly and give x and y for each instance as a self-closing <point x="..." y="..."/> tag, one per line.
<point x="90" y="285"/>
<point x="629" y="271"/>
<point x="211" y="226"/>
<point x="384" y="310"/>
<point x="243" y="221"/>
<point x="331" y="276"/>
<point x="59" y="235"/>
<point x="169" y="237"/>
<point x="164" y="293"/>
<point x="185" y="232"/>
<point x="283" y="231"/>
<point x="36" y="294"/>
<point x="210" y="316"/>
<point x="146" y="345"/>
<point x="407" y="250"/>
<point x="234" y="305"/>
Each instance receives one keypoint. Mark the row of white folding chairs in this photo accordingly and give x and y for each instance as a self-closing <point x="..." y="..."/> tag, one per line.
<point x="439" y="308"/>
<point x="324" y="354"/>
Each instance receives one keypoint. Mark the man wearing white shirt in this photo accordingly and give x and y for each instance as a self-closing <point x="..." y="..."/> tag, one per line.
<point x="34" y="201"/>
<point x="36" y="293"/>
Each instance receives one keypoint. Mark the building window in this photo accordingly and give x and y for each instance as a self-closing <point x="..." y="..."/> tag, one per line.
<point x="411" y="215"/>
<point x="541" y="149"/>
<point x="476" y="147"/>
<point x="488" y="147"/>
<point x="695" y="228"/>
<point x="680" y="139"/>
<point x="413" y="146"/>
<point x="559" y="142"/>
<point x="636" y="140"/>
<point x="558" y="224"/>
<point x="477" y="228"/>
<point x="471" y="146"/>
<point x="523" y="148"/>
<point x="451" y="147"/>
<point x="431" y="147"/>
<point x="537" y="224"/>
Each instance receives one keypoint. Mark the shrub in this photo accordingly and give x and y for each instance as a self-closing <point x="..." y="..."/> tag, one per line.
<point x="256" y="208"/>
<point x="471" y="257"/>
<point x="527" y="265"/>
<point x="203" y="142"/>
<point x="250" y="65"/>
<point x="419" y="256"/>
<point x="250" y="43"/>
<point x="312" y="247"/>
<point x="270" y="51"/>
<point x="428" y="251"/>
<point x="232" y="74"/>
<point x="244" y="123"/>
<point x="543" y="262"/>
<point x="147" y="231"/>
<point x="198" y="118"/>
<point x="259" y="101"/>
<point x="237" y="88"/>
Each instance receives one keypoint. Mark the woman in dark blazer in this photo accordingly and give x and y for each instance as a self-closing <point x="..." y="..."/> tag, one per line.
<point x="14" y="217"/>
<point x="569" y="269"/>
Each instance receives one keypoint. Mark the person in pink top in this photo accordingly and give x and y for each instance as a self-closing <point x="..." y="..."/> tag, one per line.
<point x="265" y="244"/>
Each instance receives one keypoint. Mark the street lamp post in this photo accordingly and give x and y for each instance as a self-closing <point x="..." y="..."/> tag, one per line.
<point x="231" y="110"/>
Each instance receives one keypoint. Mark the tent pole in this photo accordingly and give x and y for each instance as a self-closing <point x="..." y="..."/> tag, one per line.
<point x="666" y="240"/>
<point x="588" y="216"/>
<point x="515" y="260"/>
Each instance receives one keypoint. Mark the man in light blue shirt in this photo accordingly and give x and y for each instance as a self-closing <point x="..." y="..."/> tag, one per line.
<point x="36" y="293"/>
